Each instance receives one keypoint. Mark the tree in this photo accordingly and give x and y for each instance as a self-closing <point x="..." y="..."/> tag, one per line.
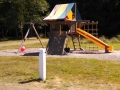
<point x="13" y="12"/>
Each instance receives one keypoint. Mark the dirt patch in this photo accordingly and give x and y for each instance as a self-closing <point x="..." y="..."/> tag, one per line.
<point x="58" y="84"/>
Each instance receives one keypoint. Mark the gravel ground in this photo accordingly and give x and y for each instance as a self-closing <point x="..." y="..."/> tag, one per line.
<point x="114" y="55"/>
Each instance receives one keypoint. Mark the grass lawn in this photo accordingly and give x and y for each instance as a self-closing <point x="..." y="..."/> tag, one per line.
<point x="89" y="73"/>
<point x="38" y="45"/>
<point x="70" y="70"/>
<point x="15" y="44"/>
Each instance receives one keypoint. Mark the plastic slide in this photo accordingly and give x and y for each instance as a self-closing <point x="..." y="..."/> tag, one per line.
<point x="95" y="40"/>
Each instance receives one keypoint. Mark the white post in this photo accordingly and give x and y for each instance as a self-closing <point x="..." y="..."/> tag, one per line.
<point x="42" y="63"/>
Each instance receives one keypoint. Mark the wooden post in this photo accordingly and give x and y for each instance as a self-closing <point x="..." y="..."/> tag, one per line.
<point x="45" y="31"/>
<point x="60" y="29"/>
<point x="21" y="29"/>
<point x="75" y="11"/>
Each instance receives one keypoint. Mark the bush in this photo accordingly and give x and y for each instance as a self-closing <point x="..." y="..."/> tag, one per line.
<point x="118" y="36"/>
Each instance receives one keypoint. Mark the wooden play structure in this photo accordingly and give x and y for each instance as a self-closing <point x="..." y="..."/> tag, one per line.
<point x="65" y="20"/>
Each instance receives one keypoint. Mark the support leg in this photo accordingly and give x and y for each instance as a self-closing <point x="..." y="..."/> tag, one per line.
<point x="37" y="34"/>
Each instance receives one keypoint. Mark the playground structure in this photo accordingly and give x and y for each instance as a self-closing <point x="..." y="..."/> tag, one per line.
<point x="65" y="20"/>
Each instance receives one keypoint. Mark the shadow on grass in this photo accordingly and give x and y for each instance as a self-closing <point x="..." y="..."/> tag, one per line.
<point x="32" y="80"/>
<point x="32" y="54"/>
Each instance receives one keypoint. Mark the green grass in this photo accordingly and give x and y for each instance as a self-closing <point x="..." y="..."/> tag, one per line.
<point x="115" y="45"/>
<point x="84" y="43"/>
<point x="35" y="45"/>
<point x="76" y="70"/>
<point x="70" y="70"/>
<point x="15" y="69"/>
<point x="30" y="45"/>
<point x="21" y="69"/>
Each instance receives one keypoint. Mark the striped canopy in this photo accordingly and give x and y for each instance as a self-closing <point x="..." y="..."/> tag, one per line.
<point x="63" y="12"/>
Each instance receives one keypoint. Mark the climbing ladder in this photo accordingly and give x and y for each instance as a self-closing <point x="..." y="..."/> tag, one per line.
<point x="76" y="41"/>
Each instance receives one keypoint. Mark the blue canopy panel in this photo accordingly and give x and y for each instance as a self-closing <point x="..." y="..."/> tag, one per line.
<point x="78" y="16"/>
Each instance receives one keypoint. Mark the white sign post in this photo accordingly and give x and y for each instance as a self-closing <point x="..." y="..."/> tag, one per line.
<point x="42" y="63"/>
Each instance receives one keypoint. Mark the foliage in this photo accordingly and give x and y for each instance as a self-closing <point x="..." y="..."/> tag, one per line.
<point x="13" y="12"/>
